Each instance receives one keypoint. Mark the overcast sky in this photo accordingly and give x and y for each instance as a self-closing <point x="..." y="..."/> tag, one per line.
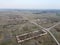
<point x="30" y="4"/>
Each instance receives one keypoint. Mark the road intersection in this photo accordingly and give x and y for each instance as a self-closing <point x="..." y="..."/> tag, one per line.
<point x="47" y="30"/>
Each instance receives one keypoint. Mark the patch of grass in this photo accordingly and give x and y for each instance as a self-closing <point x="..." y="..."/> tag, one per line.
<point x="56" y="34"/>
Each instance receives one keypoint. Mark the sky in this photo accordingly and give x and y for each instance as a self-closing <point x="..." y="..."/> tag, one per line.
<point x="29" y="4"/>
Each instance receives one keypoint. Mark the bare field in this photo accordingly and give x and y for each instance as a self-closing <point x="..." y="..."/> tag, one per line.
<point x="13" y="23"/>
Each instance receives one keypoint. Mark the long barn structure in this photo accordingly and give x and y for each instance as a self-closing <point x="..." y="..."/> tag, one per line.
<point x="30" y="35"/>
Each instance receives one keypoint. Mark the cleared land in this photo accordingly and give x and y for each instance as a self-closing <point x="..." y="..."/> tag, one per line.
<point x="13" y="23"/>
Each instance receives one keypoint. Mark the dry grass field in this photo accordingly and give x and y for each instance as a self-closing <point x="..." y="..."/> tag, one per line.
<point x="13" y="23"/>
